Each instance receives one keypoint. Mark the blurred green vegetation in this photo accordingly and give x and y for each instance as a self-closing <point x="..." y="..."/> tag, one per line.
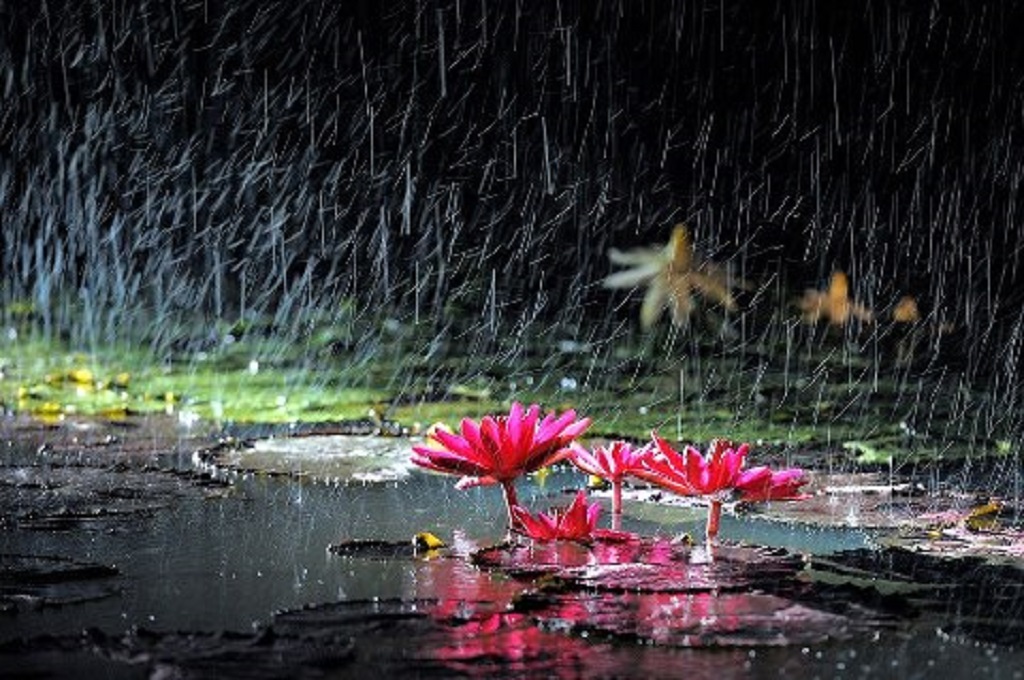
<point x="821" y="394"/>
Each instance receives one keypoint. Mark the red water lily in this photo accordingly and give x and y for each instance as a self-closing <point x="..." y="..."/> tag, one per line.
<point x="763" y="484"/>
<point x="690" y="473"/>
<point x="719" y="476"/>
<point x="500" y="448"/>
<point x="578" y="522"/>
<point x="612" y="463"/>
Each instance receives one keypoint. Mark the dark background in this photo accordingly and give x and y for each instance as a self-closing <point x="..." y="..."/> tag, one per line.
<point x="478" y="158"/>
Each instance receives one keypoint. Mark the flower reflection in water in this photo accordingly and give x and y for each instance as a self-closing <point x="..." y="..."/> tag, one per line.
<point x="513" y="643"/>
<point x="556" y="609"/>
<point x="482" y="633"/>
<point x="691" y="619"/>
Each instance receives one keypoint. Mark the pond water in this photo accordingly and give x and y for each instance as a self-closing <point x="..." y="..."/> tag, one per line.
<point x="231" y="560"/>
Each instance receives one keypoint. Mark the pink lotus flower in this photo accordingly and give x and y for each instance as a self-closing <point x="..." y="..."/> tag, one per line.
<point x="689" y="473"/>
<point x="719" y="476"/>
<point x="612" y="463"/>
<point x="578" y="522"/>
<point x="501" y="448"/>
<point x="762" y="484"/>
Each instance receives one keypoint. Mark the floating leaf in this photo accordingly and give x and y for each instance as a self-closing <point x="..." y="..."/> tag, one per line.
<point x="427" y="541"/>
<point x="984" y="517"/>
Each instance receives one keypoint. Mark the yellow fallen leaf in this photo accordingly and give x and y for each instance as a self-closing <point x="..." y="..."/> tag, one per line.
<point x="427" y="541"/>
<point x="49" y="408"/>
<point x="81" y="376"/>
<point x="984" y="517"/>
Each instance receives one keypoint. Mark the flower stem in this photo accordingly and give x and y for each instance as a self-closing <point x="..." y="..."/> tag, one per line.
<point x="616" y="504"/>
<point x="714" y="518"/>
<point x="617" y="497"/>
<point x="511" y="499"/>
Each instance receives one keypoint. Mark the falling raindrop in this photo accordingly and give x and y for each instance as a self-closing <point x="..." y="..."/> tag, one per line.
<point x="421" y="199"/>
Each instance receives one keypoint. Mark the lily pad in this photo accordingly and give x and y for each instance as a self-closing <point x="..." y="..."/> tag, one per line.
<point x="692" y="619"/>
<point x="645" y="565"/>
<point x="994" y="545"/>
<point x="327" y="458"/>
<point x="36" y="581"/>
<point x="967" y="596"/>
<point x="672" y="593"/>
<point x="384" y="638"/>
<point x="64" y="497"/>
<point x="370" y="548"/>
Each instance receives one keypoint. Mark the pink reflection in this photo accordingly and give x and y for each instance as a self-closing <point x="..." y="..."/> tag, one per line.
<point x="617" y="552"/>
<point x="699" y="619"/>
<point x="560" y="553"/>
<point x="656" y="590"/>
<point x="661" y="551"/>
<point x="461" y="588"/>
<point x="513" y="644"/>
<point x="667" y="617"/>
